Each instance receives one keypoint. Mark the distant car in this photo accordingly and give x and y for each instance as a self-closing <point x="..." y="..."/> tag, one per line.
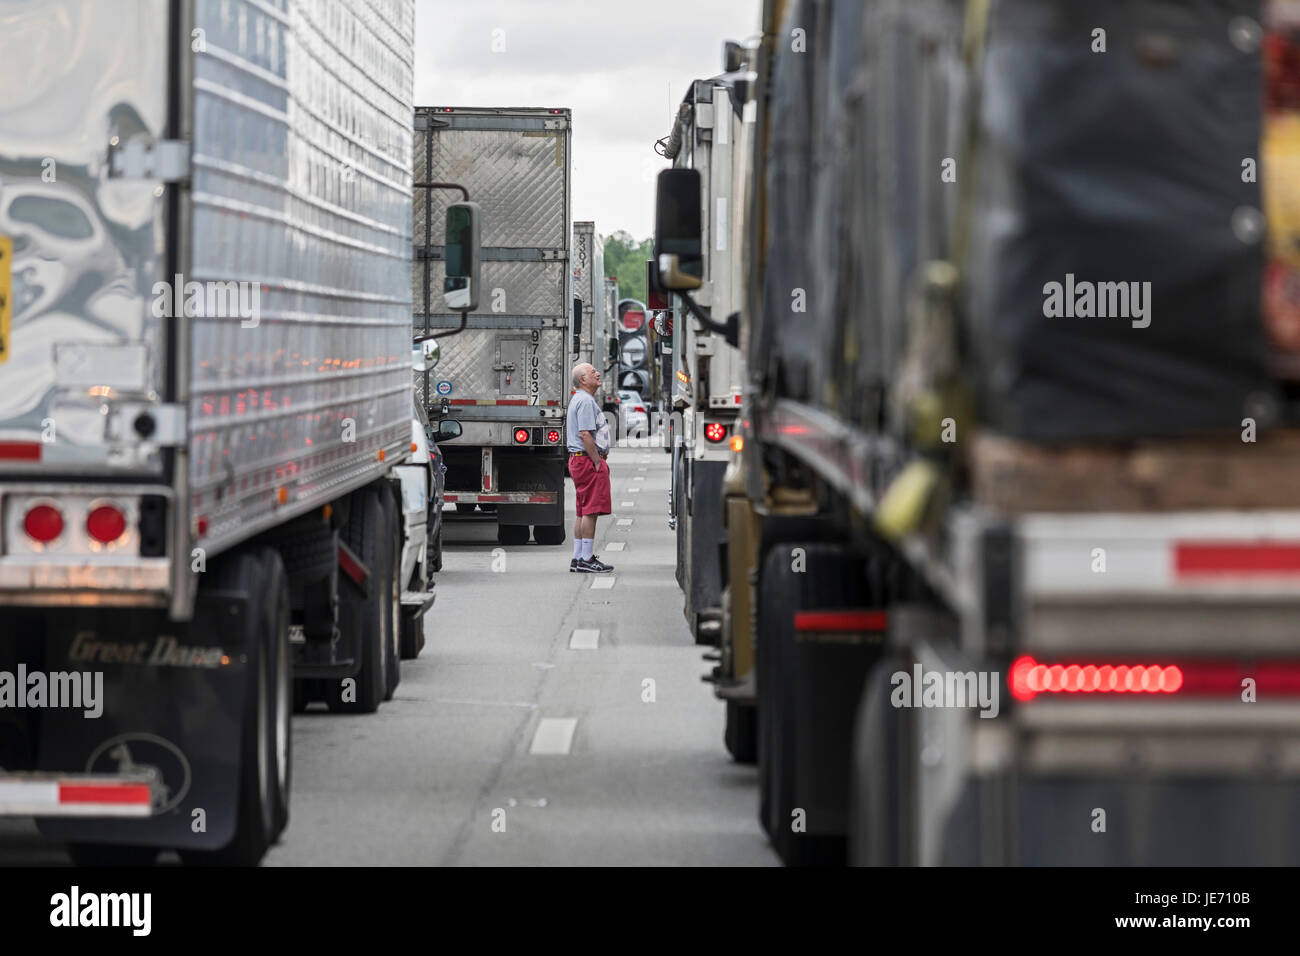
<point x="632" y="411"/>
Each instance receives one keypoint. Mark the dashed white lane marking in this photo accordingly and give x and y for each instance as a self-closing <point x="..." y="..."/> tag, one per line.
<point x="554" y="735"/>
<point x="635" y="490"/>
<point x="602" y="582"/>
<point x="584" y="639"/>
<point x="615" y="545"/>
<point x="624" y="522"/>
<point x="627" y="504"/>
<point x="639" y="478"/>
<point x="640" y="469"/>
<point x="482" y="703"/>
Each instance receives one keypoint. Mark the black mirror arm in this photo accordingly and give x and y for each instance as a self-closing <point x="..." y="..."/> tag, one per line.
<point x="730" y="329"/>
<point x="464" y="320"/>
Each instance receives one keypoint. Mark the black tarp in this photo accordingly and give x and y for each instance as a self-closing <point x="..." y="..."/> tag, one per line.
<point x="1123" y="166"/>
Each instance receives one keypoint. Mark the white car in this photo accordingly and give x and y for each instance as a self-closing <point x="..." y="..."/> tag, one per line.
<point x="634" y="418"/>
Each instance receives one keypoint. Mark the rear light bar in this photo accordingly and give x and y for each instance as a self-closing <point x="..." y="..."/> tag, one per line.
<point x="1029" y="678"/>
<point x="525" y="435"/>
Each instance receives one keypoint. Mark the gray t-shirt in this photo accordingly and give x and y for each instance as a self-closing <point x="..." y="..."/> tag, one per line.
<point x="585" y="416"/>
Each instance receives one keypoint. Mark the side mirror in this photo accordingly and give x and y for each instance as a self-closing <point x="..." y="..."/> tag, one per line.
<point x="446" y="430"/>
<point x="733" y="57"/>
<point x="464" y="240"/>
<point x="678" y="234"/>
<point x="425" y="355"/>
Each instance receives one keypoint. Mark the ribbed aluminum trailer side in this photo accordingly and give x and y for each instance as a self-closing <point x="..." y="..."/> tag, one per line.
<point x="205" y="401"/>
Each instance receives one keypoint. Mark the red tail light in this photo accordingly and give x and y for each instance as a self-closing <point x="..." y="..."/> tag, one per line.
<point x="43" y="523"/>
<point x="106" y="524"/>
<point x="639" y="408"/>
<point x="715" y="432"/>
<point x="521" y="436"/>
<point x="552" y="436"/>
<point x="1029" y="678"/>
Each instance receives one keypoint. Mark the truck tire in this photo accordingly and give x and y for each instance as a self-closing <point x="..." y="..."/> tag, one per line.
<point x="363" y="617"/>
<point x="435" y="551"/>
<point x="266" y="761"/>
<point x="392" y="627"/>
<point x="807" y="698"/>
<point x="875" y="812"/>
<point x="549" y="534"/>
<point x="741" y="734"/>
<point x="512" y="535"/>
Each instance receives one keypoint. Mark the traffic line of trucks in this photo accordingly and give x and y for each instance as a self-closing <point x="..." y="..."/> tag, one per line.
<point x="995" y="581"/>
<point x="222" y="393"/>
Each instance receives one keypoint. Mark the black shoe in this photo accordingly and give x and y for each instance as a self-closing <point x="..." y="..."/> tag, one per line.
<point x="598" y="565"/>
<point x="581" y="565"/>
<point x="573" y="565"/>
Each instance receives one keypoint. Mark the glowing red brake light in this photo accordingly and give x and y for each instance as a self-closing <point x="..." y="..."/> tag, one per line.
<point x="639" y="408"/>
<point x="43" y="523"/>
<point x="552" y="436"/>
<point x="715" y="432"/>
<point x="1029" y="678"/>
<point x="106" y="524"/>
<point x="521" y="436"/>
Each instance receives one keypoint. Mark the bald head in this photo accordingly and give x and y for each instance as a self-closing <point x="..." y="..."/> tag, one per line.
<point x="586" y="377"/>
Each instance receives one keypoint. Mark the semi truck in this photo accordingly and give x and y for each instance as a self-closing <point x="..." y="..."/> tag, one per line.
<point x="592" y="335"/>
<point x="1007" y="582"/>
<point x="505" y="376"/>
<point x="710" y="135"/>
<point x="211" y="508"/>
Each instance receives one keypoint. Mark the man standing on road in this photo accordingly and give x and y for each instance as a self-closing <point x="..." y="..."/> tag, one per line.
<point x="587" y="434"/>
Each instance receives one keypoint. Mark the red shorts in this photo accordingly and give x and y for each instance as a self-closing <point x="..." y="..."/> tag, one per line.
<point x="591" y="486"/>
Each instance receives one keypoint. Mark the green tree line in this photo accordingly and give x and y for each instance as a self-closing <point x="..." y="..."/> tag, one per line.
<point x="625" y="260"/>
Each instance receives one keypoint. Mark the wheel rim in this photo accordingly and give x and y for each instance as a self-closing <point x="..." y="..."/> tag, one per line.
<point x="263" y="739"/>
<point x="282" y="705"/>
<point x="395" y="607"/>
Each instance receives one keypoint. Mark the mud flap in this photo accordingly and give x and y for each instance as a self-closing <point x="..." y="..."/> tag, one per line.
<point x="173" y="699"/>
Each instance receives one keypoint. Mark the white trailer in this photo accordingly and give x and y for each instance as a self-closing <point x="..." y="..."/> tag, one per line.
<point x="206" y="472"/>
<point x="505" y="377"/>
<point x="711" y="136"/>
<point x="591" y="338"/>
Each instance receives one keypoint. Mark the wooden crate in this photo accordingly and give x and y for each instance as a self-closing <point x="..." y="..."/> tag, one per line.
<point x="1169" y="475"/>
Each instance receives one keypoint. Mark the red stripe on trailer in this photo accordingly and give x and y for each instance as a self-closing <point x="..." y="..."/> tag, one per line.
<point x="447" y="497"/>
<point x="462" y="401"/>
<point x="512" y="401"/>
<point x="104" y="793"/>
<point x="547" y="499"/>
<point x="20" y="450"/>
<point x="1225" y="557"/>
<point x="840" y="620"/>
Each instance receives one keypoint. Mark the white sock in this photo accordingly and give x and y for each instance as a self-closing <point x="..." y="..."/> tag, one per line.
<point x="587" y="544"/>
<point x="577" y="548"/>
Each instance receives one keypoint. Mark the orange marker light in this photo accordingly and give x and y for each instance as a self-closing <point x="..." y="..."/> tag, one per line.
<point x="737" y="442"/>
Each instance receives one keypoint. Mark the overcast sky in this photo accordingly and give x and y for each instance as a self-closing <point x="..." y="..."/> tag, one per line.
<point x="613" y="62"/>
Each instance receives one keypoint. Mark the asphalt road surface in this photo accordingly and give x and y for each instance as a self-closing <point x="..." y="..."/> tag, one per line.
<point x="506" y="744"/>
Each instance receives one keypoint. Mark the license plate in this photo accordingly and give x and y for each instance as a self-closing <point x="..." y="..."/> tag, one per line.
<point x="6" y="294"/>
